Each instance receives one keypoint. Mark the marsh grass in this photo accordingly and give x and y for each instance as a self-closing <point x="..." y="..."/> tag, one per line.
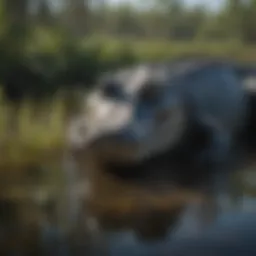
<point x="31" y="132"/>
<point x="166" y="49"/>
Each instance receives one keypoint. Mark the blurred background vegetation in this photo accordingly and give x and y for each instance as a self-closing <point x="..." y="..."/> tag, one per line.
<point x="64" y="44"/>
<point x="52" y="51"/>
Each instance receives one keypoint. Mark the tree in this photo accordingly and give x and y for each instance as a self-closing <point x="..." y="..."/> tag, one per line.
<point x="16" y="14"/>
<point x="78" y="16"/>
<point x="43" y="14"/>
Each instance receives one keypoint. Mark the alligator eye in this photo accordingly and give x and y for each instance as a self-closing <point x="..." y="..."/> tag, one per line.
<point x="113" y="90"/>
<point x="150" y="94"/>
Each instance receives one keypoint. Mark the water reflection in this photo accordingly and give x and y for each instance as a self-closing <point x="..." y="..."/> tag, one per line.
<point x="125" y="240"/>
<point x="125" y="243"/>
<point x="123" y="220"/>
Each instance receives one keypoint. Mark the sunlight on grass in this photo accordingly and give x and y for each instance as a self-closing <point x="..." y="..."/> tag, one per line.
<point x="165" y="49"/>
<point x="31" y="132"/>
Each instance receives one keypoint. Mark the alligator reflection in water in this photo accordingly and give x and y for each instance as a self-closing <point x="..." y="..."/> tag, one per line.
<point x="131" y="217"/>
<point x="137" y="222"/>
<point x="148" y="214"/>
<point x="233" y="234"/>
<point x="124" y="242"/>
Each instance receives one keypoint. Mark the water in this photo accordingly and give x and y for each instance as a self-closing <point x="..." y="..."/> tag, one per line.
<point x="125" y="243"/>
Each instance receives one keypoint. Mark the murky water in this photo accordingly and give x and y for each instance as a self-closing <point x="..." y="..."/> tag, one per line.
<point x="125" y="242"/>
<point x="130" y="209"/>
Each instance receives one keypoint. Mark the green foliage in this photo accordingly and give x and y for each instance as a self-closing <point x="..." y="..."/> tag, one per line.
<point x="56" y="62"/>
<point x="32" y="130"/>
<point x="43" y="56"/>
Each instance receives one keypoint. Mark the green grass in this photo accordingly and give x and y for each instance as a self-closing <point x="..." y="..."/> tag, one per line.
<point x="32" y="131"/>
<point x="153" y="49"/>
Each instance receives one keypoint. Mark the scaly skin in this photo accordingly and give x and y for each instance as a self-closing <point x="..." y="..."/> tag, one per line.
<point x="176" y="121"/>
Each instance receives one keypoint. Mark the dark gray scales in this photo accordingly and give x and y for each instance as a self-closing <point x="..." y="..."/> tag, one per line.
<point x="216" y="107"/>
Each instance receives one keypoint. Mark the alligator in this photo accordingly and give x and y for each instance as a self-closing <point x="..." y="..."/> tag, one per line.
<point x="179" y="121"/>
